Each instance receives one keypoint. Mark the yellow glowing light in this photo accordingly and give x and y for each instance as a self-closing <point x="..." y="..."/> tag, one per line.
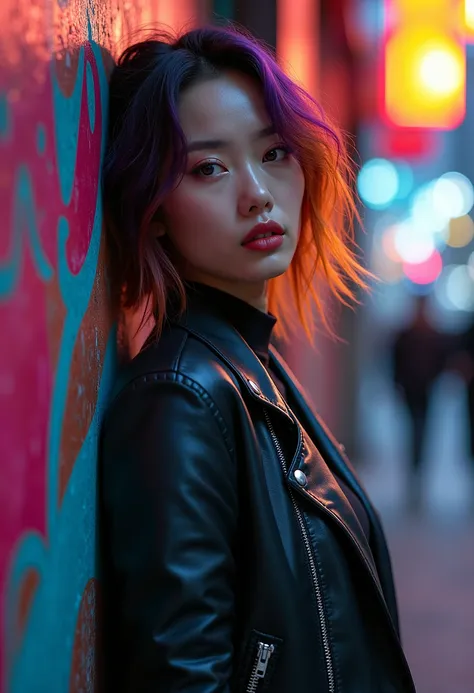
<point x="461" y="231"/>
<point x="469" y="20"/>
<point x="441" y="72"/>
<point x="425" y="8"/>
<point x="469" y="14"/>
<point x="425" y="77"/>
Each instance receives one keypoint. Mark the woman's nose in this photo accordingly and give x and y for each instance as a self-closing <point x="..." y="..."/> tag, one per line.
<point x="261" y="206"/>
<point x="255" y="198"/>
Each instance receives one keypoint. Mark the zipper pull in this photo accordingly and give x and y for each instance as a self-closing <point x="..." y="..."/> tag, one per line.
<point x="263" y="657"/>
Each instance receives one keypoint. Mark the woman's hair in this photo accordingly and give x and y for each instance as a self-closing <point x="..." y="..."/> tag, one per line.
<point x="146" y="158"/>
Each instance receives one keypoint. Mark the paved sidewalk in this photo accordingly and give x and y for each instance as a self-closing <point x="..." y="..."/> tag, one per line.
<point x="433" y="562"/>
<point x="433" y="554"/>
<point x="434" y="572"/>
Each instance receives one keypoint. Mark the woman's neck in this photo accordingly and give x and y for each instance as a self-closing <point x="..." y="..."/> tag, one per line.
<point x="253" y="293"/>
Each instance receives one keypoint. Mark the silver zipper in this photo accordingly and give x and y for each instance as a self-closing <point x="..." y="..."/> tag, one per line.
<point x="314" y="574"/>
<point x="260" y="666"/>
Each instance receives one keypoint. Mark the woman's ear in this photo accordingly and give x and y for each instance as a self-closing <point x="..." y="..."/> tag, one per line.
<point x="157" y="226"/>
<point x="157" y="229"/>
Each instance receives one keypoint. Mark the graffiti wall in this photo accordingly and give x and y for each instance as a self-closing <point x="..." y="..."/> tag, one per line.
<point x="58" y="343"/>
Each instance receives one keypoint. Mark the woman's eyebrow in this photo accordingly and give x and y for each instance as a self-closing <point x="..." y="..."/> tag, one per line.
<point x="223" y="144"/>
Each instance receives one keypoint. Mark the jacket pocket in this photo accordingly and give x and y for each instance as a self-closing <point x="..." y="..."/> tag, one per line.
<point x="260" y="659"/>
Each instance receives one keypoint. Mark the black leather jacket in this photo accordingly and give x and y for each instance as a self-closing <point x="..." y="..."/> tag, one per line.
<point x="235" y="561"/>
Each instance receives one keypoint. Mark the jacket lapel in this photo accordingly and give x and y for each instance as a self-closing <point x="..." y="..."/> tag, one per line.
<point x="322" y="489"/>
<point x="333" y="454"/>
<point x="228" y="344"/>
<point x="332" y="450"/>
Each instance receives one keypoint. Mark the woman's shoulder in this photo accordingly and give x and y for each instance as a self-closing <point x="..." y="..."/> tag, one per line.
<point x="177" y="357"/>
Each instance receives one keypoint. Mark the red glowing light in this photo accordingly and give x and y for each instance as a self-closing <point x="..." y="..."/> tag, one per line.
<point x="406" y="143"/>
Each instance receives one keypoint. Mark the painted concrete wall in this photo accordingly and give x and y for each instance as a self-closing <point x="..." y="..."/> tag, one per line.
<point x="57" y="341"/>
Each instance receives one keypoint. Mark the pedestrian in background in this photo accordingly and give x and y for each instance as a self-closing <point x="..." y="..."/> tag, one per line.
<point x="420" y="353"/>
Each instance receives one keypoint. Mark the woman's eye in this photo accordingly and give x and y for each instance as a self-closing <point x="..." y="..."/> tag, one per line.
<point x="277" y="154"/>
<point x="208" y="169"/>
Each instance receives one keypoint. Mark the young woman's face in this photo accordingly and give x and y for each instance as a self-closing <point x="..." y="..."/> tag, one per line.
<point x="239" y="174"/>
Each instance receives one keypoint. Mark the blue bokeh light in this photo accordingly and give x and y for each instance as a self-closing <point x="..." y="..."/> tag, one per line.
<point x="378" y="183"/>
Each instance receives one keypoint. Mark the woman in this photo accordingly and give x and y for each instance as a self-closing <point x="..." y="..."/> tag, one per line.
<point x="243" y="553"/>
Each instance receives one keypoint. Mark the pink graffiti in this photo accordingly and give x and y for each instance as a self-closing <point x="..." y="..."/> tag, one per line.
<point x="32" y="314"/>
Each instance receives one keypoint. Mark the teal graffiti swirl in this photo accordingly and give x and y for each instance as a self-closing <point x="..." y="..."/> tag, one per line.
<point x="25" y="230"/>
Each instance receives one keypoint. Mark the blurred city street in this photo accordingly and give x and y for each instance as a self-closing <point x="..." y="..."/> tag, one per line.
<point x="432" y="550"/>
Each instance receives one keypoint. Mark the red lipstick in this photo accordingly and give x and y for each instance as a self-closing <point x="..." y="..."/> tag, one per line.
<point x="264" y="237"/>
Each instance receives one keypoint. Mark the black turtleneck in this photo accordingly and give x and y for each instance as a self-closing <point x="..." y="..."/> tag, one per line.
<point x="255" y="327"/>
<point x="252" y="324"/>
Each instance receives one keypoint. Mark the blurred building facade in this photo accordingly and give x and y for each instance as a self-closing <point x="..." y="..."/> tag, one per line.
<point x="416" y="183"/>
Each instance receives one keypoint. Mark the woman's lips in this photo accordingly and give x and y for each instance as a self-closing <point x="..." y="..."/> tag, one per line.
<point x="270" y="229"/>
<point x="268" y="244"/>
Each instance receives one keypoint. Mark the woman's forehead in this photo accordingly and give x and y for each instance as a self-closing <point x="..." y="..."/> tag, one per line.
<point x="228" y="106"/>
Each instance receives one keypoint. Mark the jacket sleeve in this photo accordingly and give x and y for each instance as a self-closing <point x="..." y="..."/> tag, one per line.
<point x="170" y="509"/>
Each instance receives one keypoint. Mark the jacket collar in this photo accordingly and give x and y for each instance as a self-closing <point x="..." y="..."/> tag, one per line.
<point x="206" y="321"/>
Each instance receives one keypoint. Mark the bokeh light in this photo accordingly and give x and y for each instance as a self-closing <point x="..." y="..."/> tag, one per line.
<point x="452" y="195"/>
<point x="423" y="212"/>
<point x="405" y="179"/>
<point x="469" y="13"/>
<point x="460" y="231"/>
<point x="378" y="183"/>
<point x="460" y="288"/>
<point x="389" y="246"/>
<point x="470" y="265"/>
<point x="441" y="71"/>
<point x="454" y="289"/>
<point x="424" y="272"/>
<point x="413" y="243"/>
<point x="425" y="72"/>
<point x="469" y="18"/>
<point x="440" y="292"/>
